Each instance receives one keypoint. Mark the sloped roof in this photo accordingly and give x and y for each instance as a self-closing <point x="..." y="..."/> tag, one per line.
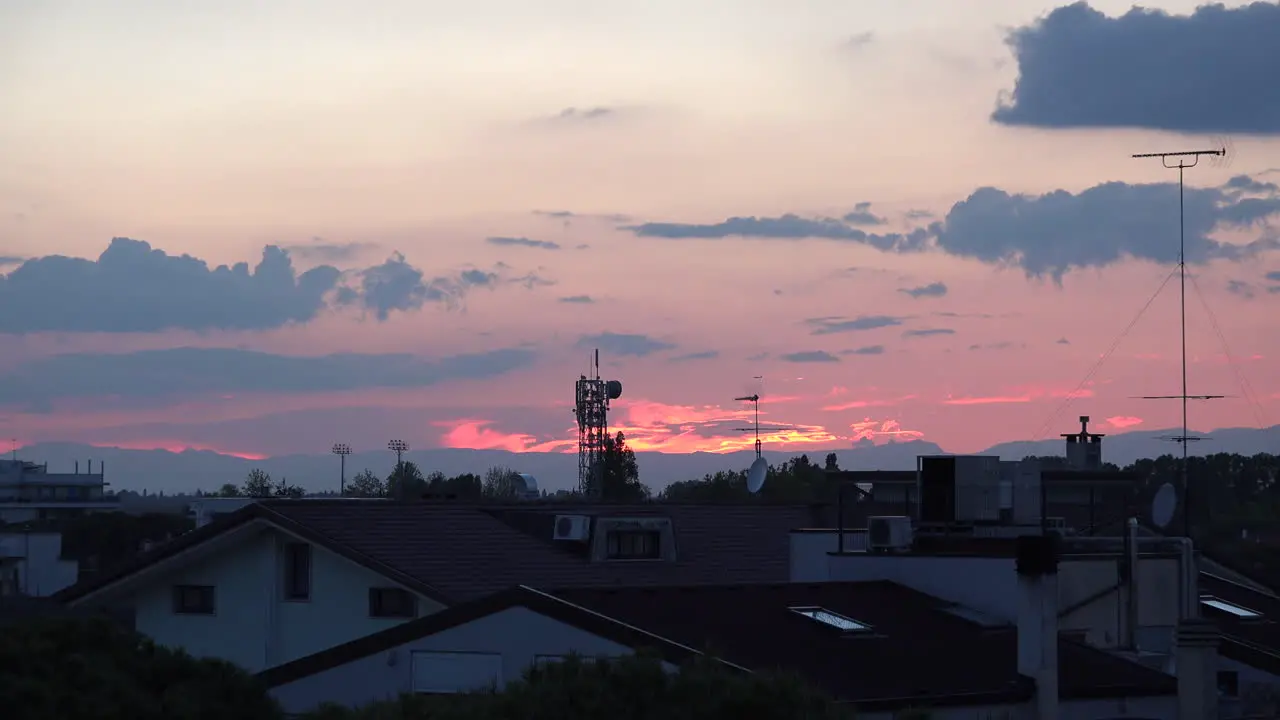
<point x="455" y="552"/>
<point x="1254" y="641"/>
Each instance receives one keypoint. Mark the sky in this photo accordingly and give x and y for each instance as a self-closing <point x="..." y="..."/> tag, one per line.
<point x="263" y="228"/>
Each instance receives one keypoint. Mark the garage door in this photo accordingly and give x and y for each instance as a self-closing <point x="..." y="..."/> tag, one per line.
<point x="454" y="672"/>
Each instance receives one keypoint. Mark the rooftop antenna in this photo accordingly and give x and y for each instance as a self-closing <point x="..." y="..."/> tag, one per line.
<point x="760" y="467"/>
<point x="342" y="450"/>
<point x="591" y="408"/>
<point x="399" y="447"/>
<point x="1181" y="161"/>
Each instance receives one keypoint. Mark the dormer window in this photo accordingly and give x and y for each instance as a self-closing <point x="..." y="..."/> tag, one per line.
<point x="831" y="619"/>
<point x="634" y="545"/>
<point x="1229" y="608"/>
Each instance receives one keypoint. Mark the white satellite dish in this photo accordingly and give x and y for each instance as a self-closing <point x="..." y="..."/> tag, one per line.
<point x="755" y="476"/>
<point x="1163" y="505"/>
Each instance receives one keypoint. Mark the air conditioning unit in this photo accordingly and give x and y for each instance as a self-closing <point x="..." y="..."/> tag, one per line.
<point x="888" y="532"/>
<point x="574" y="528"/>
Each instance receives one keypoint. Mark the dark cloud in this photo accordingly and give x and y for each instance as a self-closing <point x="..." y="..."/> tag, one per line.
<point x="868" y="350"/>
<point x="1274" y="276"/>
<point x="992" y="346"/>
<point x="132" y="287"/>
<point x="1211" y="71"/>
<point x="6" y="260"/>
<point x="810" y="356"/>
<point x="624" y="344"/>
<point x="573" y="114"/>
<point x="395" y="285"/>
<point x="1244" y="183"/>
<point x="523" y="242"/>
<point x="1063" y="341"/>
<point x="835" y="324"/>
<point x="862" y="215"/>
<point x="204" y="371"/>
<point x="928" y="332"/>
<point x="705" y="355"/>
<point x="321" y="250"/>
<point x="578" y="299"/>
<point x="932" y="290"/>
<point x="981" y="316"/>
<point x="1048" y="234"/>
<point x="532" y="280"/>
<point x="1241" y="288"/>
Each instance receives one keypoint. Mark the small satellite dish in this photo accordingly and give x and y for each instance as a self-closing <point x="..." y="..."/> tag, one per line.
<point x="1163" y="505"/>
<point x="613" y="389"/>
<point x="755" y="476"/>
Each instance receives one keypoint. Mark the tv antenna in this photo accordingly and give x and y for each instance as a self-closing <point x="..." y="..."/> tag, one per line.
<point x="1181" y="161"/>
<point x="342" y="450"/>
<point x="760" y="467"/>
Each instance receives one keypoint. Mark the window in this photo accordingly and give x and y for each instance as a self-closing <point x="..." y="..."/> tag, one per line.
<point x="1226" y="607"/>
<point x="634" y="545"/>
<point x="297" y="571"/>
<point x="835" y="620"/>
<point x="193" y="599"/>
<point x="1228" y="684"/>
<point x="392" y="602"/>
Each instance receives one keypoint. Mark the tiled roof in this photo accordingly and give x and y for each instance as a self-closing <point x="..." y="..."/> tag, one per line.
<point x="456" y="552"/>
<point x="915" y="649"/>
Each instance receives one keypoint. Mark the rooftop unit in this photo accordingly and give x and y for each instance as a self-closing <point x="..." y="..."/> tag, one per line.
<point x="1084" y="449"/>
<point x="958" y="491"/>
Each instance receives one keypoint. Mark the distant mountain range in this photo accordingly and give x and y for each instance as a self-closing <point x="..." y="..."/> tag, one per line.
<point x="185" y="472"/>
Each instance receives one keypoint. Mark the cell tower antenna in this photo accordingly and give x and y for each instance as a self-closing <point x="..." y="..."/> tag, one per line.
<point x="1181" y="161"/>
<point x="342" y="450"/>
<point x="591" y="409"/>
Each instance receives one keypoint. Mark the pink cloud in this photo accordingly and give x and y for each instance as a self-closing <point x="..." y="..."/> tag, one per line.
<point x="1123" y="421"/>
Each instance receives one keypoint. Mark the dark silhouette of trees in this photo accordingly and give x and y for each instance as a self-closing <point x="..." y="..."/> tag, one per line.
<point x="258" y="485"/>
<point x="228" y="490"/>
<point x="619" y="477"/>
<point x="634" y="687"/>
<point x="502" y="483"/>
<point x="366" y="485"/>
<point x="406" y="481"/>
<point x="86" y="669"/>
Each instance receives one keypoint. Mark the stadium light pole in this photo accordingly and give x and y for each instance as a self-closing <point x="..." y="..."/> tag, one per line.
<point x="399" y="447"/>
<point x="342" y="450"/>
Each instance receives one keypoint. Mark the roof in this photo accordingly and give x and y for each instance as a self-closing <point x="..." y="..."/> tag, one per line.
<point x="1254" y="641"/>
<point x="418" y="544"/>
<point x="917" y="650"/>
<point x="917" y="653"/>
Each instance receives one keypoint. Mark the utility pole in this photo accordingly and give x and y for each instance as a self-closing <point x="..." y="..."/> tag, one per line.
<point x="1181" y="161"/>
<point x="342" y="450"/>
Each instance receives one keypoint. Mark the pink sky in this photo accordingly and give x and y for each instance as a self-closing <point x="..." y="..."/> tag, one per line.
<point x="426" y="138"/>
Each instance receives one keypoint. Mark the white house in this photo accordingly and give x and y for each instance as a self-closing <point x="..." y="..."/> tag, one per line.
<point x="31" y="563"/>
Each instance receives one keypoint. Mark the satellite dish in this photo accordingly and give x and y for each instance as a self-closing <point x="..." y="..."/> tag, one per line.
<point x="613" y="389"/>
<point x="755" y="476"/>
<point x="1163" y="505"/>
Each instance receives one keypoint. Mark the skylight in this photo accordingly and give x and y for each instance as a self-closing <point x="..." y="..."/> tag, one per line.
<point x="835" y="620"/>
<point x="1226" y="607"/>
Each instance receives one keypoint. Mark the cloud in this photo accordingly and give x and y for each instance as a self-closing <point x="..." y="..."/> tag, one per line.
<point x="858" y="41"/>
<point x="1244" y="183"/>
<point x="810" y="356"/>
<point x="932" y="290"/>
<point x="9" y="260"/>
<point x="992" y="346"/>
<point x="705" y="355"/>
<point x="867" y="350"/>
<point x="321" y="250"/>
<point x="221" y="371"/>
<point x="835" y="324"/>
<point x="1063" y="341"/>
<point x="523" y="242"/>
<point x="1123" y="421"/>
<point x="578" y="300"/>
<point x="1147" y="69"/>
<point x="1274" y="276"/>
<point x="573" y="114"/>
<point x="1047" y="234"/>
<point x="928" y="332"/>
<point x="626" y="345"/>
<point x="862" y="215"/>
<point x="758" y="357"/>
<point x="1241" y="288"/>
<point x="532" y="280"/>
<point x="395" y="285"/>
<point x="132" y="287"/>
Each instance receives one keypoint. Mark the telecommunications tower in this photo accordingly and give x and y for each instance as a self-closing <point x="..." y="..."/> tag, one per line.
<point x="591" y="408"/>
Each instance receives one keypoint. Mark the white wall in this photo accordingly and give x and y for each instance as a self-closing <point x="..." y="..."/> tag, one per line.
<point x="516" y="635"/>
<point x="252" y="625"/>
<point x="35" y="560"/>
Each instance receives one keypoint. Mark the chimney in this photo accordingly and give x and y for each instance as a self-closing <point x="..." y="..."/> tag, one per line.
<point x="1037" y="566"/>
<point x="1196" y="669"/>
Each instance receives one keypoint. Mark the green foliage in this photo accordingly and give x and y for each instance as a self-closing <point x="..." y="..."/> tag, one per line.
<point x="366" y="485"/>
<point x="620" y="473"/>
<point x="257" y="485"/>
<point x="502" y="483"/>
<point x="629" y="688"/>
<point x="91" y="669"/>
<point x="406" y="481"/>
<point x="284" y="490"/>
<point x="797" y="480"/>
<point x="228" y="490"/>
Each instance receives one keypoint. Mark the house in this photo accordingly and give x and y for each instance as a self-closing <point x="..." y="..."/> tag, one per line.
<point x="31" y="563"/>
<point x="282" y="579"/>
<point x="1248" y="669"/>
<point x="30" y="492"/>
<point x="879" y="646"/>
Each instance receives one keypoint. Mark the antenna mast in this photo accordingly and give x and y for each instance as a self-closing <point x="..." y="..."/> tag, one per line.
<point x="754" y="399"/>
<point x="1181" y="161"/>
<point x="591" y="408"/>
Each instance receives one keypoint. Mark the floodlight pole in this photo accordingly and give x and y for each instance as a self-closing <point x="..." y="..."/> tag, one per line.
<point x="1182" y="161"/>
<point x="342" y="450"/>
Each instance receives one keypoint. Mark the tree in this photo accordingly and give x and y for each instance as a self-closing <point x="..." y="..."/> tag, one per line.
<point x="285" y="490"/>
<point x="117" y="673"/>
<point x="619" y="477"/>
<point x="257" y="485"/>
<point x="228" y="490"/>
<point x="502" y="483"/>
<point x="406" y="482"/>
<point x="832" y="463"/>
<point x="633" y="687"/>
<point x="466" y="485"/>
<point x="366" y="485"/>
